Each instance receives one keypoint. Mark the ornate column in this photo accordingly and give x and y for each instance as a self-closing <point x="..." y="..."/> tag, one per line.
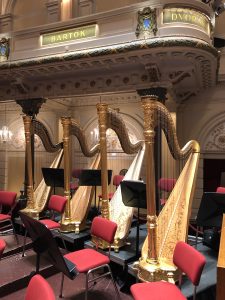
<point x="148" y="105"/>
<point x="29" y="185"/>
<point x="102" y="114"/>
<point x="30" y="107"/>
<point x="67" y="225"/>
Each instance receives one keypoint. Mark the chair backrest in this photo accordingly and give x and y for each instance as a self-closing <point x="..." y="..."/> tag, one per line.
<point x="104" y="229"/>
<point x="7" y="198"/>
<point x="166" y="184"/>
<point x="39" y="289"/>
<point x="117" y="179"/>
<point x="76" y="173"/>
<point x="2" y="247"/>
<point x="189" y="260"/>
<point x="57" y="203"/>
<point x="220" y="190"/>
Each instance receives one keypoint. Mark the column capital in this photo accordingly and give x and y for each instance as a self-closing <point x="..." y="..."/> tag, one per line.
<point x="31" y="107"/>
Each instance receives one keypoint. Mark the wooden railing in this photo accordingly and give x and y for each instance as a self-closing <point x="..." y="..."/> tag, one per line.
<point x="220" y="289"/>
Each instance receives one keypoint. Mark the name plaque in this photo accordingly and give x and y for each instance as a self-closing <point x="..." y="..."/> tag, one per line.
<point x="69" y="35"/>
<point x="186" y="15"/>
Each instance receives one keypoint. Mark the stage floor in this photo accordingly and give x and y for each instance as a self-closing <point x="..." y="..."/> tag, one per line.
<point x="15" y="273"/>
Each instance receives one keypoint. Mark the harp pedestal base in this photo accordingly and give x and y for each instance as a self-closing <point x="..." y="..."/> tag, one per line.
<point x="31" y="212"/>
<point x="79" y="226"/>
<point x="117" y="244"/>
<point x="148" y="272"/>
<point x="67" y="226"/>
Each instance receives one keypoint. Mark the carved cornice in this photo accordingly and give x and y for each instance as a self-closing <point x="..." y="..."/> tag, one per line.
<point x="112" y="50"/>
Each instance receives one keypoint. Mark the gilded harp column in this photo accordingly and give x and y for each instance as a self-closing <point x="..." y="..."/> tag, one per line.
<point x="102" y="114"/>
<point x="67" y="225"/>
<point x="27" y="120"/>
<point x="148" y="105"/>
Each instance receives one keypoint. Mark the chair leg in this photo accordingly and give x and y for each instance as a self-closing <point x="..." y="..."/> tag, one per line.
<point x="24" y="243"/>
<point x="61" y="287"/>
<point x="116" y="289"/>
<point x="86" y="287"/>
<point x="64" y="244"/>
<point x="14" y="232"/>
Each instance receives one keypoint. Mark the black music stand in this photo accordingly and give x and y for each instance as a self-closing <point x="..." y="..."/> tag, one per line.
<point x="134" y="195"/>
<point x="91" y="177"/>
<point x="43" y="242"/>
<point x="211" y="210"/>
<point x="53" y="177"/>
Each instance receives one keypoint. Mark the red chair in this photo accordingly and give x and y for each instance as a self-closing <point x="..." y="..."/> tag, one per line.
<point x="116" y="182"/>
<point x="8" y="199"/>
<point x="2" y="247"/>
<point x="74" y="185"/>
<point x="166" y="185"/>
<point x="220" y="190"/>
<point x="39" y="289"/>
<point x="189" y="261"/>
<point x="90" y="260"/>
<point x="56" y="204"/>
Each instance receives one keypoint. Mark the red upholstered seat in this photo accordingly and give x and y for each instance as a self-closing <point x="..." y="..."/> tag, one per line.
<point x="156" y="290"/>
<point x="2" y="246"/>
<point x="4" y="217"/>
<point x="8" y="199"/>
<point x="50" y="224"/>
<point x="39" y="289"/>
<point x="87" y="259"/>
<point x="189" y="261"/>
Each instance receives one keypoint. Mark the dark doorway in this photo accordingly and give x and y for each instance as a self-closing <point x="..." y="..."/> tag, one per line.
<point x="212" y="174"/>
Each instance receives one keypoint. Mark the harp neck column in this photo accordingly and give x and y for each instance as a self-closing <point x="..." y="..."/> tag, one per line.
<point x="148" y="105"/>
<point x="27" y="120"/>
<point x="102" y="109"/>
<point x="67" y="225"/>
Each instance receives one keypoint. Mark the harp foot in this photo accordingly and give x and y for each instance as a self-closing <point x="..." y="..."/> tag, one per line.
<point x="31" y="213"/>
<point x="149" y="272"/>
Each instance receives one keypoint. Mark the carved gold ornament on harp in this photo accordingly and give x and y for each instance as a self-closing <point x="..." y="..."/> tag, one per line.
<point x="74" y="218"/>
<point x="36" y="200"/>
<point x="171" y="225"/>
<point x="115" y="210"/>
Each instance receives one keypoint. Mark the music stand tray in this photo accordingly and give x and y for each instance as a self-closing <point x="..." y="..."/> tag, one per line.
<point x="211" y="210"/>
<point x="91" y="177"/>
<point x="53" y="177"/>
<point x="134" y="195"/>
<point x="43" y="242"/>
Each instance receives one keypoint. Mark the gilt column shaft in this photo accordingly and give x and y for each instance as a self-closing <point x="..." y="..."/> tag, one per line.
<point x="149" y="134"/>
<point x="66" y="224"/>
<point x="102" y="120"/>
<point x="27" y="120"/>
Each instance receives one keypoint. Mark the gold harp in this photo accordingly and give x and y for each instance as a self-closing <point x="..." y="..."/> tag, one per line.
<point x="36" y="200"/>
<point x="171" y="225"/>
<point x="116" y="210"/>
<point x="77" y="208"/>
